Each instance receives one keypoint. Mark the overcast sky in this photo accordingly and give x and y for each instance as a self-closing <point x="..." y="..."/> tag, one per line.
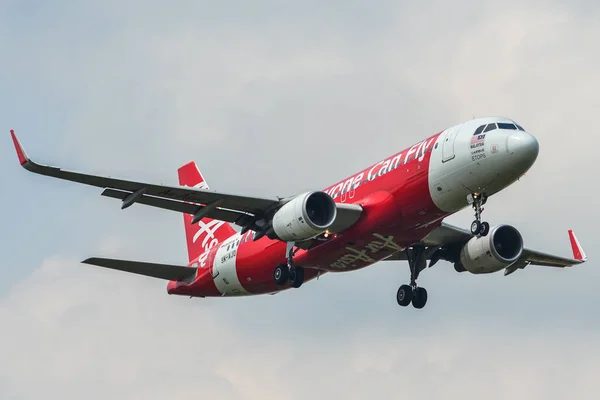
<point x="274" y="99"/>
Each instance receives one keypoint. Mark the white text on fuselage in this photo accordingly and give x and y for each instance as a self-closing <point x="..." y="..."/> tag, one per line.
<point x="417" y="151"/>
<point x="364" y="254"/>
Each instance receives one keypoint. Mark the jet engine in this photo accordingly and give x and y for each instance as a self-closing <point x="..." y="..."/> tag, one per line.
<point x="304" y="217"/>
<point x="501" y="248"/>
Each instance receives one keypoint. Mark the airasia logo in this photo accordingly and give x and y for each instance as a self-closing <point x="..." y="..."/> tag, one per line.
<point x="210" y="229"/>
<point x="363" y="255"/>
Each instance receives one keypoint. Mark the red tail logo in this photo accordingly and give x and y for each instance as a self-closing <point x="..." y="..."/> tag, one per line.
<point x="208" y="232"/>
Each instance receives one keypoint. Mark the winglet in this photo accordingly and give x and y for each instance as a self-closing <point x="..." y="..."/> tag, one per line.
<point x="20" y="152"/>
<point x="578" y="252"/>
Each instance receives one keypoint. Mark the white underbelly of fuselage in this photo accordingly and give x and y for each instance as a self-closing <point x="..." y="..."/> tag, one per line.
<point x="224" y="271"/>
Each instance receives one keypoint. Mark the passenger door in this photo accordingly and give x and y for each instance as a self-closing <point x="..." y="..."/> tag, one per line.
<point x="448" y="145"/>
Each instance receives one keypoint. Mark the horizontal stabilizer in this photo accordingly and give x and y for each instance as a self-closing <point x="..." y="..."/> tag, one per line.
<point x="161" y="271"/>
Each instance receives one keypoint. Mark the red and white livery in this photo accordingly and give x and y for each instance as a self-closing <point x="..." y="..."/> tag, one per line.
<point x="392" y="210"/>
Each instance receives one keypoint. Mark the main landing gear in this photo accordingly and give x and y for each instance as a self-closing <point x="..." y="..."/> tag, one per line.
<point x="478" y="227"/>
<point x="412" y="293"/>
<point x="289" y="272"/>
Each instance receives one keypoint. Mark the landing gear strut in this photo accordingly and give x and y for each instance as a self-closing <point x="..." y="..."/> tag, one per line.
<point x="412" y="293"/>
<point x="478" y="227"/>
<point x="285" y="272"/>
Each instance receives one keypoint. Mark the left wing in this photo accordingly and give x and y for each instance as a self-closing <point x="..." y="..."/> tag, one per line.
<point x="245" y="211"/>
<point x="447" y="236"/>
<point x="240" y="204"/>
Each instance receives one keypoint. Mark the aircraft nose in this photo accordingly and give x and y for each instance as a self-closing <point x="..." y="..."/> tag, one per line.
<point x="523" y="147"/>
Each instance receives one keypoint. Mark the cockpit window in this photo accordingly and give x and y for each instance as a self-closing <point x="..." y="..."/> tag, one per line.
<point x="479" y="130"/>
<point x="519" y="127"/>
<point x="502" y="125"/>
<point x="490" y="127"/>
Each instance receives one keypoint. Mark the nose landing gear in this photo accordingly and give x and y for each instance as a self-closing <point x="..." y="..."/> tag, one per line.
<point x="412" y="293"/>
<point x="478" y="227"/>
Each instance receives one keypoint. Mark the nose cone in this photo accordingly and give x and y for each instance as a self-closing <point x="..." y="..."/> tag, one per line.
<point x="523" y="148"/>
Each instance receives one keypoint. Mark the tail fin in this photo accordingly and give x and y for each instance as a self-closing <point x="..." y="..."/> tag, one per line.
<point x="207" y="232"/>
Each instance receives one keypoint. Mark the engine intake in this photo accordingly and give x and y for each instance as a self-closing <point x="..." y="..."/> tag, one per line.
<point x="304" y="217"/>
<point x="501" y="248"/>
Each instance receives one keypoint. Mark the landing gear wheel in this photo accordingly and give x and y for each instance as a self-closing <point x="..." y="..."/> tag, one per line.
<point x="475" y="227"/>
<point x="417" y="262"/>
<point x="419" y="298"/>
<point x="478" y="227"/>
<point x="404" y="295"/>
<point x="281" y="274"/>
<point x="484" y="229"/>
<point x="296" y="277"/>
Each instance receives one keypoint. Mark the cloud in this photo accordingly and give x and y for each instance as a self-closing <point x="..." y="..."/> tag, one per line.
<point x="70" y="330"/>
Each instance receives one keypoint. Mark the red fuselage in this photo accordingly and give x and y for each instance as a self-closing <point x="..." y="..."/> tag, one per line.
<point x="398" y="211"/>
<point x="403" y="199"/>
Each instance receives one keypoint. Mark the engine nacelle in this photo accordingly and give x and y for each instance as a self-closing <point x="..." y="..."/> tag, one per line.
<point x="501" y="248"/>
<point x="306" y="216"/>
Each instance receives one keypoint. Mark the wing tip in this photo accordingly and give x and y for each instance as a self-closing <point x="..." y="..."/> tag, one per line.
<point x="578" y="252"/>
<point x="92" y="260"/>
<point x="23" y="159"/>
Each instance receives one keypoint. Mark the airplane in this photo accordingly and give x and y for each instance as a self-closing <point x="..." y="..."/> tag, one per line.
<point x="391" y="210"/>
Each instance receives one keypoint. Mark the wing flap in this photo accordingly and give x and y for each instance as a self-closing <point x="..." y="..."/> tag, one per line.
<point x="173" y="205"/>
<point x="161" y="271"/>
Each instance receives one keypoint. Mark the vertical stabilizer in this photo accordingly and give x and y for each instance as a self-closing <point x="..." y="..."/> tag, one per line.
<point x="207" y="232"/>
